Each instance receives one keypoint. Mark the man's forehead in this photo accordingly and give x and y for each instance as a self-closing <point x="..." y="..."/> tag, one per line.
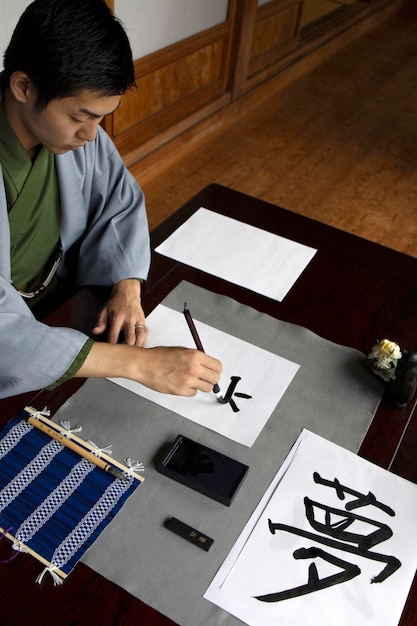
<point x="92" y="103"/>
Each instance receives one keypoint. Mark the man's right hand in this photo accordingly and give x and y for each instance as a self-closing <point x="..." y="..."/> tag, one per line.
<point x="174" y="370"/>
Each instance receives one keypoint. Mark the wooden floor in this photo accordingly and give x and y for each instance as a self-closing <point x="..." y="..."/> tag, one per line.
<point x="339" y="145"/>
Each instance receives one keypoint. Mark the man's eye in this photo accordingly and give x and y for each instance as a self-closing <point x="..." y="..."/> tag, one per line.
<point x="77" y="120"/>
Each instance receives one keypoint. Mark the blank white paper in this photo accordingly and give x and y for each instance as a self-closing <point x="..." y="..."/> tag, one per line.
<point x="239" y="253"/>
<point x="264" y="376"/>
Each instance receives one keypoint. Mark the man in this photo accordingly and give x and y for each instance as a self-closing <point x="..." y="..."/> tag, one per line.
<point x="68" y="202"/>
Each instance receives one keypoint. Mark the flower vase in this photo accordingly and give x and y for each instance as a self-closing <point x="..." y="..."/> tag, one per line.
<point x="402" y="388"/>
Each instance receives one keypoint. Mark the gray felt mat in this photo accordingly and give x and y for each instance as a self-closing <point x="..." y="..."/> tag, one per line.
<point x="333" y="395"/>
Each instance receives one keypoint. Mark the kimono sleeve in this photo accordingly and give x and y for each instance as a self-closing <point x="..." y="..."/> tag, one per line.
<point x="102" y="200"/>
<point x="33" y="354"/>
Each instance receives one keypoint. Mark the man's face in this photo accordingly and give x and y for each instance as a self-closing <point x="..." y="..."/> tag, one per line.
<point x="68" y="123"/>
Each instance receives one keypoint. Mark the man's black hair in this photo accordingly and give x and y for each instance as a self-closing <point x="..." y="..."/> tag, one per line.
<point x="66" y="46"/>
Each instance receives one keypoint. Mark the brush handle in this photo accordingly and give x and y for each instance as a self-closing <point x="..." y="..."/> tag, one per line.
<point x="72" y="445"/>
<point x="197" y="341"/>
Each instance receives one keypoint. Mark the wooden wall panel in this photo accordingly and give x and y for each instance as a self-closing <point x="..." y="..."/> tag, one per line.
<point x="273" y="30"/>
<point x="167" y="85"/>
<point x="172" y="84"/>
<point x="276" y="32"/>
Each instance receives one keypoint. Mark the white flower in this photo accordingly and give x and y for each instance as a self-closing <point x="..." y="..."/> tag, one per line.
<point x="385" y="355"/>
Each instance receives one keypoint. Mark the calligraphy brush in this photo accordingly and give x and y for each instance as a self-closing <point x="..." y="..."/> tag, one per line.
<point x="69" y="443"/>
<point x="199" y="346"/>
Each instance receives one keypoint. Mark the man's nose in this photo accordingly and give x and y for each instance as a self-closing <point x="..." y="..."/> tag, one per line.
<point x="89" y="130"/>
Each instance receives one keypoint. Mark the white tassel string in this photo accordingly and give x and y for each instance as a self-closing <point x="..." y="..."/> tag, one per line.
<point x="68" y="430"/>
<point x="99" y="451"/>
<point x="134" y="466"/>
<point x="45" y="412"/>
<point x="18" y="546"/>
<point x="52" y="571"/>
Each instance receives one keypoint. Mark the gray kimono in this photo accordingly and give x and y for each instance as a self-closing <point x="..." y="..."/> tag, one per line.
<point x="103" y="218"/>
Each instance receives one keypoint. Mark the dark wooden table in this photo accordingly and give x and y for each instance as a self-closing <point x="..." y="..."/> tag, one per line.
<point x="353" y="293"/>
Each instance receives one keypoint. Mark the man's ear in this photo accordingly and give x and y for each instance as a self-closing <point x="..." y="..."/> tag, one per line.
<point x="21" y="86"/>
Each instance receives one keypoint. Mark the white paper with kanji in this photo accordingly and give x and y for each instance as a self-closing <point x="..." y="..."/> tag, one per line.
<point x="333" y="542"/>
<point x="263" y="378"/>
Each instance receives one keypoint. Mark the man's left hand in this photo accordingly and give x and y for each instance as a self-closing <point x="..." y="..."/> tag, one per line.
<point x="123" y="312"/>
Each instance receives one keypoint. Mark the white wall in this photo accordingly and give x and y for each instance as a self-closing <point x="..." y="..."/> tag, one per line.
<point x="150" y="24"/>
<point x="154" y="24"/>
<point x="10" y="11"/>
